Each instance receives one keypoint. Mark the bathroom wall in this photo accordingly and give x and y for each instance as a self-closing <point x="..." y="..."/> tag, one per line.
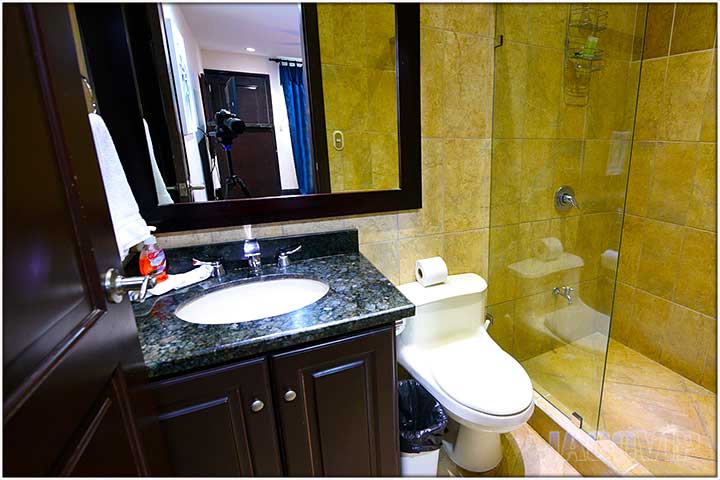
<point x="545" y="138"/>
<point x="456" y="104"/>
<point x="357" y="53"/>
<point x="665" y="303"/>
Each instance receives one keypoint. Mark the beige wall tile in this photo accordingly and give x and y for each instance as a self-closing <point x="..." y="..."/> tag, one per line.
<point x="685" y="91"/>
<point x="672" y="180"/>
<point x="466" y="252"/>
<point x="468" y="85"/>
<point x="414" y="249"/>
<point x="694" y="27"/>
<point x="476" y="19"/>
<point x="696" y="285"/>
<point x="380" y="36"/>
<point x="505" y="184"/>
<point x="384" y="256"/>
<point x="703" y="203"/>
<point x="511" y="89"/>
<point x="382" y="112"/>
<point x="547" y="25"/>
<point x="349" y="33"/>
<point x="708" y="132"/>
<point x="659" y="26"/>
<point x="709" y="377"/>
<point x="647" y="331"/>
<point x="659" y="258"/>
<point x="432" y="15"/>
<point x="502" y="283"/>
<point x="374" y="228"/>
<point x="432" y="73"/>
<point x="429" y="218"/>
<point x="622" y="315"/>
<point x="640" y="181"/>
<point x="467" y="183"/>
<point x="650" y="98"/>
<point x="686" y="345"/>
<point x="502" y="328"/>
<point x="630" y="249"/>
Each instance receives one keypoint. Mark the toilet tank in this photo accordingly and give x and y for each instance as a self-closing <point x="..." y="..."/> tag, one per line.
<point x="452" y="309"/>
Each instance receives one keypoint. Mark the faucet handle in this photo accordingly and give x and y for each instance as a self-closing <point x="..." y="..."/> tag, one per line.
<point x="217" y="268"/>
<point x="283" y="260"/>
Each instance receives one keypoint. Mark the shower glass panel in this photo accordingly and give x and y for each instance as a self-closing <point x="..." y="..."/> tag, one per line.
<point x="566" y="87"/>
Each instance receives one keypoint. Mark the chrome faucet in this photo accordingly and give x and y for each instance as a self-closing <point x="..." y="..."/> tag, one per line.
<point x="251" y="253"/>
<point x="565" y="292"/>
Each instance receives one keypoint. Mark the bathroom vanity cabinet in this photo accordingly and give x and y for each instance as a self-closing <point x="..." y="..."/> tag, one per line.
<point x="326" y="409"/>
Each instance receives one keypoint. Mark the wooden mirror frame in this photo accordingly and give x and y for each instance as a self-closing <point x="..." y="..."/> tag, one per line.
<point x="123" y="125"/>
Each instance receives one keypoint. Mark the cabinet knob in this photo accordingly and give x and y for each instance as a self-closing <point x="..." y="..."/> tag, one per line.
<point x="290" y="395"/>
<point x="257" y="405"/>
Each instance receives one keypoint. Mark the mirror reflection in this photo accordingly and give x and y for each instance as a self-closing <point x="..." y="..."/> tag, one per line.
<point x="242" y="105"/>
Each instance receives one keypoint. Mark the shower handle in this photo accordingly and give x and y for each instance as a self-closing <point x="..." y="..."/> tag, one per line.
<point x="565" y="199"/>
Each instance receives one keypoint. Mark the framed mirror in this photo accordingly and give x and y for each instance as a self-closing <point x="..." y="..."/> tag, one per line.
<point x="256" y="113"/>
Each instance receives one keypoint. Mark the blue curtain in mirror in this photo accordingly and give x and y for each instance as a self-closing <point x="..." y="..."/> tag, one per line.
<point x="291" y="78"/>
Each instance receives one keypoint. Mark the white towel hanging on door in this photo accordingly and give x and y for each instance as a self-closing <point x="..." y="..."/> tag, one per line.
<point x="130" y="228"/>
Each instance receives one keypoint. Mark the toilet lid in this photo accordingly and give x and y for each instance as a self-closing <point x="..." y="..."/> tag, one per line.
<point x="477" y="373"/>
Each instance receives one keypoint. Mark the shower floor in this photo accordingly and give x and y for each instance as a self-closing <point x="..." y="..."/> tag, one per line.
<point x="662" y="419"/>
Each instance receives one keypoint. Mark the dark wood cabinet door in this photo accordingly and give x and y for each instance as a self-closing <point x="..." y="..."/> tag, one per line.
<point x="68" y="353"/>
<point x="209" y="424"/>
<point x="343" y="420"/>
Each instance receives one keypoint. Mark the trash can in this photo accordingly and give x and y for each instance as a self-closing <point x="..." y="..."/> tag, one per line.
<point x="422" y="423"/>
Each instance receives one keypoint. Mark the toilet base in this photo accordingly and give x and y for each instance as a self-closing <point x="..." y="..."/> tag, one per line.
<point x="474" y="450"/>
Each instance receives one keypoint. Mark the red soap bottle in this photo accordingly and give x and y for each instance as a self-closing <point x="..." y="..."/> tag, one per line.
<point x="152" y="260"/>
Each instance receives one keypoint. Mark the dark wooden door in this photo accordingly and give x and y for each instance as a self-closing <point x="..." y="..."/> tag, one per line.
<point x="342" y="420"/>
<point x="254" y="153"/>
<point x="210" y="426"/>
<point x="71" y="360"/>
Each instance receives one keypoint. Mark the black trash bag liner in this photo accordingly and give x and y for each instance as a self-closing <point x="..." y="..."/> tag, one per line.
<point x="422" y="419"/>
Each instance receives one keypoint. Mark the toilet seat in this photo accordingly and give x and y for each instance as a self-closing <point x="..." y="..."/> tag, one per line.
<point x="480" y="375"/>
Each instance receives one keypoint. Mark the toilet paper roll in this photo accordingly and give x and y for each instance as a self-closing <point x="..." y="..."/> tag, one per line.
<point x="549" y="248"/>
<point x="430" y="271"/>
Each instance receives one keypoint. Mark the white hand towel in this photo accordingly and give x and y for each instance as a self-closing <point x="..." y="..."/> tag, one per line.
<point x="164" y="197"/>
<point x="175" y="282"/>
<point x="130" y="228"/>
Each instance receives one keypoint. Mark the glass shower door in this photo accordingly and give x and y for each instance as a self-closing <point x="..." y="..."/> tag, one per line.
<point x="566" y="86"/>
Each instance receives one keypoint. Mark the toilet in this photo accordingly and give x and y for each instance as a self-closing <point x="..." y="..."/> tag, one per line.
<point x="446" y="348"/>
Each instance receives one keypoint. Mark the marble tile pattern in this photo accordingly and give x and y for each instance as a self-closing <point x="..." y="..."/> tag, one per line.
<point x="360" y="297"/>
<point x="666" y="301"/>
<point x="357" y="54"/>
<point x="660" y="419"/>
<point x="525" y="454"/>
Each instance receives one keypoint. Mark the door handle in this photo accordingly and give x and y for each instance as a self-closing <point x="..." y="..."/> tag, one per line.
<point x="116" y="286"/>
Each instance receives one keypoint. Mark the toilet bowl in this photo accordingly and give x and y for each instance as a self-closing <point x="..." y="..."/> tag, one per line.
<point x="446" y="348"/>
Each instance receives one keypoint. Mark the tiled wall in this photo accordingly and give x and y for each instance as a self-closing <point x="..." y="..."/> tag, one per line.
<point x="357" y="53"/>
<point x="456" y="99"/>
<point x="544" y="139"/>
<point x="665" y="303"/>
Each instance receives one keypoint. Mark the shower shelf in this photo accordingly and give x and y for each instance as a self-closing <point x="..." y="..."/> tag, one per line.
<point x="588" y="17"/>
<point x="584" y="20"/>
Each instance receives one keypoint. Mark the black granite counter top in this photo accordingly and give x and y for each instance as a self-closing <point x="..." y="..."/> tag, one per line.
<point x="360" y="297"/>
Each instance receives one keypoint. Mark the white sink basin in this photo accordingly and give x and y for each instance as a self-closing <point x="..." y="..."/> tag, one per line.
<point x="252" y="301"/>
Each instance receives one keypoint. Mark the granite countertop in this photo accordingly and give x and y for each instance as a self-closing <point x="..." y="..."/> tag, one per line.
<point x="360" y="297"/>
